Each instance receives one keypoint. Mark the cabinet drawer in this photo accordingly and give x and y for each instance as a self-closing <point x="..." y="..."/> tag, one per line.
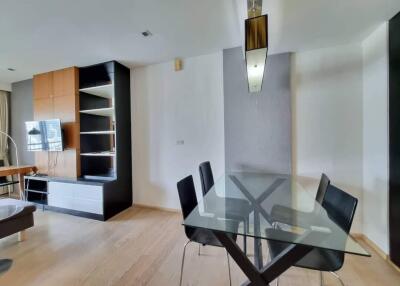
<point x="77" y="197"/>
<point x="76" y="190"/>
<point x="83" y="205"/>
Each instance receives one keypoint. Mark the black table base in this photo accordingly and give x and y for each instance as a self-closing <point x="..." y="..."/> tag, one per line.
<point x="267" y="274"/>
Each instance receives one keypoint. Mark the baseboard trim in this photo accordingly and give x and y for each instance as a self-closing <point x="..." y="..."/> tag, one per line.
<point x="171" y="210"/>
<point x="376" y="248"/>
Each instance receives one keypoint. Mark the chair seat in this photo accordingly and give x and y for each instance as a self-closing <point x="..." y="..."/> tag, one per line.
<point x="236" y="209"/>
<point x="207" y="237"/>
<point x="235" y="205"/>
<point x="291" y="216"/>
<point x="317" y="259"/>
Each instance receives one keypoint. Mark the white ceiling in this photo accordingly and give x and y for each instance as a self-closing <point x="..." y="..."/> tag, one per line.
<point x="42" y="35"/>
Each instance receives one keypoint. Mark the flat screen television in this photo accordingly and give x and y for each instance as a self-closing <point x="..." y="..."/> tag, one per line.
<point x="45" y="135"/>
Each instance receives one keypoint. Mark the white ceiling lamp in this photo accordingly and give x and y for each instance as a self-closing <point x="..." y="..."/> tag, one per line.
<point x="256" y="44"/>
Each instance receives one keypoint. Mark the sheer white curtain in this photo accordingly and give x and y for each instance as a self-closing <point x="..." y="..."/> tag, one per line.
<point x="4" y="127"/>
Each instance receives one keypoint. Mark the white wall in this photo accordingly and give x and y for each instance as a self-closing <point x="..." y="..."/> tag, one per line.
<point x="169" y="106"/>
<point x="5" y="86"/>
<point x="327" y="118"/>
<point x="375" y="137"/>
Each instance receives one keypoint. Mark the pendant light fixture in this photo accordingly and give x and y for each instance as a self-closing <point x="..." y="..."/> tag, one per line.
<point x="256" y="44"/>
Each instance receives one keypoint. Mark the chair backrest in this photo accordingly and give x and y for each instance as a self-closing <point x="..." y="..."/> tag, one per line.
<point x="322" y="187"/>
<point x="187" y="195"/>
<point x="206" y="177"/>
<point x="340" y="207"/>
<point x="188" y="200"/>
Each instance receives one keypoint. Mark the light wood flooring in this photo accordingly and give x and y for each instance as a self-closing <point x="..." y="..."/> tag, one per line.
<point x="144" y="247"/>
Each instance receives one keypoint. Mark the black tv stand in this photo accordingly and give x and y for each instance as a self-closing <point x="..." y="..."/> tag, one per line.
<point x="78" y="197"/>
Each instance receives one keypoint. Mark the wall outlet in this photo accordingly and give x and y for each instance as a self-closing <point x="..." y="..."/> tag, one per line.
<point x="180" y="142"/>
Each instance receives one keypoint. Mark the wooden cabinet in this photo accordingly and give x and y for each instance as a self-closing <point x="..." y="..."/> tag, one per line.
<point x="56" y="83"/>
<point x="56" y="95"/>
<point x="43" y="85"/>
<point x="43" y="108"/>
<point x="64" y="82"/>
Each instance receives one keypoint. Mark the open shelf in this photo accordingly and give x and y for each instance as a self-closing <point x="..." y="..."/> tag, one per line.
<point x="105" y="131"/>
<point x="104" y="177"/>
<point x="99" y="154"/>
<point x="110" y="132"/>
<point x="100" y="177"/>
<point x="106" y="91"/>
<point x="109" y="111"/>
<point x="36" y="190"/>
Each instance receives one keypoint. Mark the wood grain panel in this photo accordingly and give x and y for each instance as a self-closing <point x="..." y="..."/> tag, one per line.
<point x="43" y="85"/>
<point x="56" y="95"/>
<point x="41" y="162"/>
<point x="66" y="163"/>
<point x="64" y="108"/>
<point x="71" y="138"/>
<point x="65" y="83"/>
<point x="43" y="108"/>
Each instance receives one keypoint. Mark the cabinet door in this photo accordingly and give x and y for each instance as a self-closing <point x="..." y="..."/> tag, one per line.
<point x="43" y="85"/>
<point x="79" y="197"/>
<point x="65" y="82"/>
<point x="43" y="108"/>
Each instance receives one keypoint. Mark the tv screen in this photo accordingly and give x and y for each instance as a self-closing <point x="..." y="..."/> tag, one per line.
<point x="44" y="135"/>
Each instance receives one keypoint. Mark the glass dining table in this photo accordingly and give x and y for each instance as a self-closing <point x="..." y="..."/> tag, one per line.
<point x="264" y="192"/>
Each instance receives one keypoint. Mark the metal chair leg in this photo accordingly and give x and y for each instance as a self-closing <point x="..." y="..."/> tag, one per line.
<point x="277" y="281"/>
<point x="229" y="268"/>
<point x="183" y="261"/>
<point x="337" y="277"/>
<point x="199" y="248"/>
<point x="321" y="279"/>
<point x="246" y="229"/>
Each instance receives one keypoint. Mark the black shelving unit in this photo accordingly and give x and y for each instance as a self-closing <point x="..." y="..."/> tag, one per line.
<point x="105" y="132"/>
<point x="394" y="139"/>
<point x="97" y="121"/>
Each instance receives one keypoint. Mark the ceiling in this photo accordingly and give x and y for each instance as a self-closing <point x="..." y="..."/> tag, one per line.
<point x="42" y="35"/>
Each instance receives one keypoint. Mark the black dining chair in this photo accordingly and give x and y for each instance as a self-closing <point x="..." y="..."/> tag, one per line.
<point x="287" y="215"/>
<point x="235" y="207"/>
<point x="4" y="182"/>
<point x="188" y="201"/>
<point x="340" y="207"/>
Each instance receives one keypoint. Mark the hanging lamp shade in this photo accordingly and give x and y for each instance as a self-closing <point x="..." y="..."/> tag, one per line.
<point x="256" y="48"/>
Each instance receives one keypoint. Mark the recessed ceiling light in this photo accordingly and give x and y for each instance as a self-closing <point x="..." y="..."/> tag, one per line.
<point x="147" y="33"/>
<point x="11" y="69"/>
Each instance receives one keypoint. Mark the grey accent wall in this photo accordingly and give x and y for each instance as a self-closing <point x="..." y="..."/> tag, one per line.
<point x="257" y="126"/>
<point x="21" y="110"/>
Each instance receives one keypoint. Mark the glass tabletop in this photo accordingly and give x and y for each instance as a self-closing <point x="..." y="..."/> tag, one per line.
<point x="9" y="210"/>
<point x="276" y="207"/>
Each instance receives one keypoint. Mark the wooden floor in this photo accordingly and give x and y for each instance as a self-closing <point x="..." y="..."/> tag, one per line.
<point x="143" y="247"/>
